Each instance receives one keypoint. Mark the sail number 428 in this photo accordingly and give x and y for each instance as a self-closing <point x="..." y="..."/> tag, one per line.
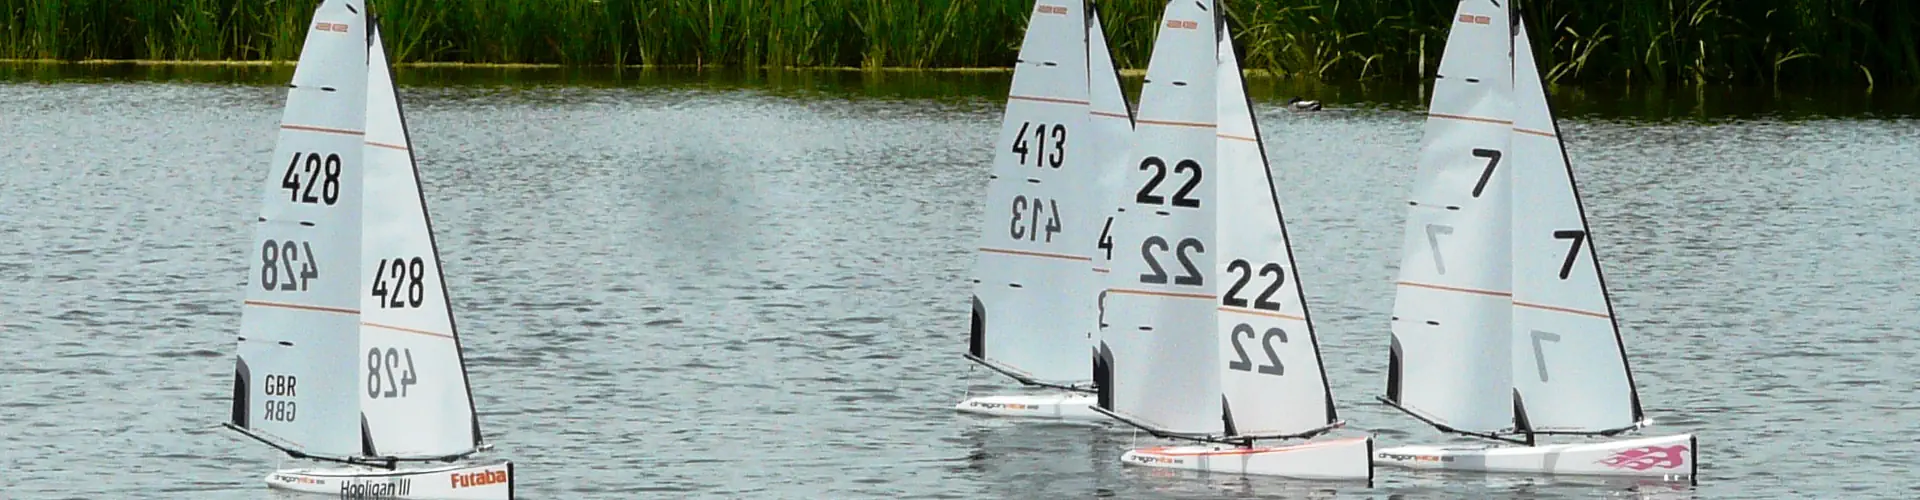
<point x="310" y="171"/>
<point x="277" y="256"/>
<point x="393" y="275"/>
<point x="385" y="376"/>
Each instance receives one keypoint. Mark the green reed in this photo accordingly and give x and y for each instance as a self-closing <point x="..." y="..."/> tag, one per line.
<point x="1651" y="42"/>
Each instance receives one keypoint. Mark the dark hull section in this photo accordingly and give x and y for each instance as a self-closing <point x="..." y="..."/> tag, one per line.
<point x="242" y="382"/>
<point x="977" y="341"/>
<point x="1103" y="377"/>
<point x="1393" y="371"/>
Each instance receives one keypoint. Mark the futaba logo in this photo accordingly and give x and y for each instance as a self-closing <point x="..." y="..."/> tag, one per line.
<point x="482" y="478"/>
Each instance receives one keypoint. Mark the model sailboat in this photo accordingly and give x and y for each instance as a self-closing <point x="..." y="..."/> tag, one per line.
<point x="1208" y="337"/>
<point x="1502" y="328"/>
<point x="1036" y="277"/>
<point x="348" y="351"/>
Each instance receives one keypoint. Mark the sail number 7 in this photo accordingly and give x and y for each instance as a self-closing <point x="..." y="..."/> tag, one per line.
<point x="1493" y="159"/>
<point x="1573" y="250"/>
<point x="307" y="172"/>
<point x="382" y="381"/>
<point x="1539" y="354"/>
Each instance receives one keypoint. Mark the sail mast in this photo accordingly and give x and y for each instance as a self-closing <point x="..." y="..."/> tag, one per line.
<point x="1270" y="380"/>
<point x="1034" y="283"/>
<point x="301" y="296"/>
<point x="433" y="244"/>
<point x="1570" y="364"/>
<point x="417" y="403"/>
<point x="1450" y="354"/>
<point x="1160" y="352"/>
<point x="1599" y="271"/>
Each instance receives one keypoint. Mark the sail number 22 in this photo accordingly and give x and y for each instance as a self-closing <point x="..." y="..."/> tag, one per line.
<point x="385" y="378"/>
<point x="1245" y="363"/>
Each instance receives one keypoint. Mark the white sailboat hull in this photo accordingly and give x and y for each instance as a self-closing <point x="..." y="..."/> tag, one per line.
<point x="1665" y="457"/>
<point x="454" y="482"/>
<point x="1062" y="406"/>
<point x="1335" y="459"/>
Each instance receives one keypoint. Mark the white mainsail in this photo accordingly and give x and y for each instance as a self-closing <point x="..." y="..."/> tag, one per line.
<point x="1568" y="362"/>
<point x="1271" y="378"/>
<point x="1163" y="288"/>
<point x="296" y="346"/>
<point x="1033" y="280"/>
<point x="1112" y="123"/>
<point x="1451" y="315"/>
<point x="415" y="395"/>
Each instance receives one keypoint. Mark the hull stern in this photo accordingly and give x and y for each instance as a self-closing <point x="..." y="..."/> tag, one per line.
<point x="1342" y="459"/>
<point x="1064" y="406"/>
<point x="1670" y="458"/>
<point x="491" y="481"/>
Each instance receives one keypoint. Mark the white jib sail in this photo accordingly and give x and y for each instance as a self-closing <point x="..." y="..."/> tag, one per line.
<point x="1160" y="340"/>
<point x="413" y="384"/>
<point x="1112" y="124"/>
<point x="1450" y="349"/>
<point x="1034" y="288"/>
<point x="1568" y="364"/>
<point x="302" y="306"/>
<point x="1271" y="377"/>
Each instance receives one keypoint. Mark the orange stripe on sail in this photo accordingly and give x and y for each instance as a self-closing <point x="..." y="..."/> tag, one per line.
<point x="388" y="146"/>
<point x="323" y="130"/>
<point x="406" y="330"/>
<point x="301" y="307"/>
<point x="1470" y="118"/>
<point x="1545" y="307"/>
<point x="1035" y="254"/>
<point x="1177" y="295"/>
<point x="1444" y="288"/>
<point x="1534" y="132"/>
<point x="1054" y="100"/>
<point x="1260" y="313"/>
<point x="1171" y="123"/>
<point x="1237" y="138"/>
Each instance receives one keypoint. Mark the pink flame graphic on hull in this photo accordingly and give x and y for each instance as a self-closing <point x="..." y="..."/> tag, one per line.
<point x="1648" y="457"/>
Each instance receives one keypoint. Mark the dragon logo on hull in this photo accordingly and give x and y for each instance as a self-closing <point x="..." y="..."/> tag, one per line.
<point x="1648" y="457"/>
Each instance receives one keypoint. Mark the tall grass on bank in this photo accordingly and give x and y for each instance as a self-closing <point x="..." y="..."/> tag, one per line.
<point x="1654" y="42"/>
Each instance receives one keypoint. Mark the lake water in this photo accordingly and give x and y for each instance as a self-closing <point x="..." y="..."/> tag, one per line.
<point x="687" y="284"/>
